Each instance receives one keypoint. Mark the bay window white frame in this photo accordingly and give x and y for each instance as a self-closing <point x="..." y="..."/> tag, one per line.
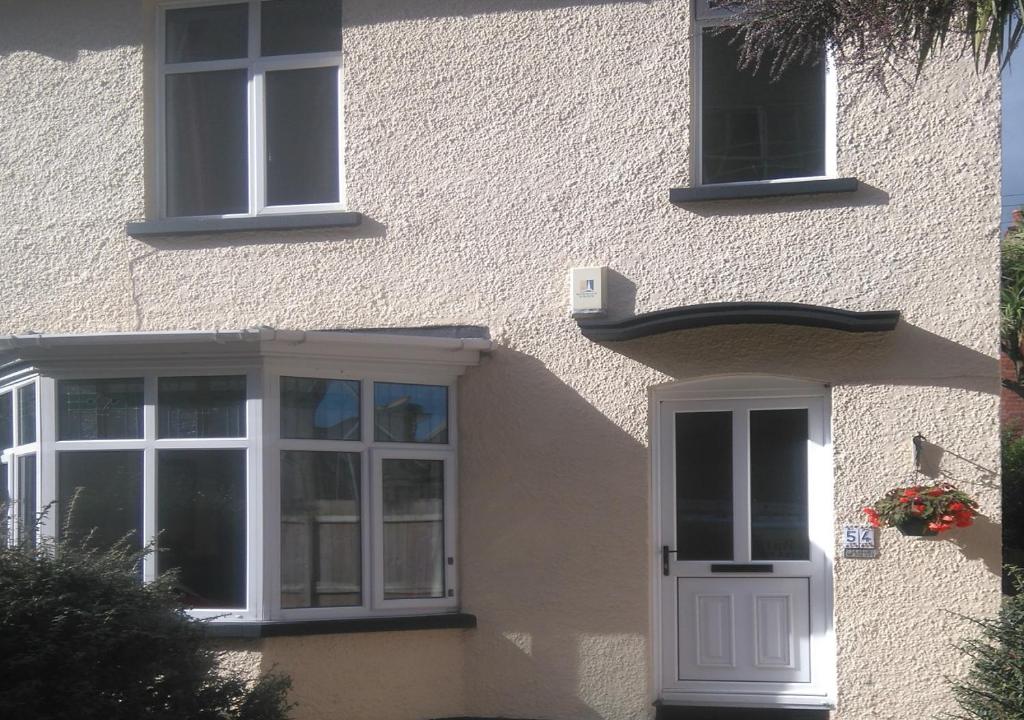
<point x="12" y="455"/>
<point x="257" y="68"/>
<point x="263" y="357"/>
<point x="705" y="16"/>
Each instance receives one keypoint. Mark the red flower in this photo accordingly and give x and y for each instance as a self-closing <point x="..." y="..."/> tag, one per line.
<point x="954" y="506"/>
<point x="935" y="492"/>
<point x="910" y="492"/>
<point x="904" y="499"/>
<point x="917" y="508"/>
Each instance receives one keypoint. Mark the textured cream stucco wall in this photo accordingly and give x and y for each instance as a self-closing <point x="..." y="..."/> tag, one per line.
<point x="492" y="146"/>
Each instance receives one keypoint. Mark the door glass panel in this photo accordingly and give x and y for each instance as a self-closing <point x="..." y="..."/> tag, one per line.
<point x="778" y="485"/>
<point x="704" y="507"/>
<point x="413" y="493"/>
<point x="201" y="519"/>
<point x="100" y="496"/>
<point x="321" y="529"/>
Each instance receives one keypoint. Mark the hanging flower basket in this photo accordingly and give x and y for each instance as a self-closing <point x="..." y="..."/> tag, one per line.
<point x="922" y="510"/>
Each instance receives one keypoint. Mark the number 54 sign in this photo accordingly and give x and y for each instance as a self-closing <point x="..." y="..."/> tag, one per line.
<point x="859" y="542"/>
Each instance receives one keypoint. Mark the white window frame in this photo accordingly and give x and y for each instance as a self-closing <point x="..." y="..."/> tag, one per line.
<point x="263" y="446"/>
<point x="10" y="457"/>
<point x="257" y="68"/>
<point x="705" y="16"/>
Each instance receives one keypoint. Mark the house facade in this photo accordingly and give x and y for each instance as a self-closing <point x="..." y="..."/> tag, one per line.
<point x="289" y="284"/>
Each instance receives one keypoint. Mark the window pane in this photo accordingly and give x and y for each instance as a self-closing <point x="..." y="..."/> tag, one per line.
<point x="704" y="511"/>
<point x="201" y="518"/>
<point x="321" y="531"/>
<point x="202" y="407"/>
<point x="207" y="143"/>
<point x="99" y="409"/>
<point x="302" y="136"/>
<point x="778" y="485"/>
<point x="313" y="409"/>
<point x="410" y="413"/>
<point x="27" y="519"/>
<point x="211" y="32"/>
<point x="27" y="414"/>
<point x="300" y="26"/>
<point x="101" y="493"/>
<point x="6" y="421"/>
<point x="413" y="501"/>
<point x="753" y="128"/>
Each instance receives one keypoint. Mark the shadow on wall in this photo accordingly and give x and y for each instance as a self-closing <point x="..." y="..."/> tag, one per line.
<point x="554" y="547"/>
<point x="61" y="29"/>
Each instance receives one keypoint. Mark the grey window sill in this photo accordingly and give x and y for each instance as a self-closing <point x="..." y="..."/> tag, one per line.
<point x="704" y="193"/>
<point x="286" y="628"/>
<point x="205" y="226"/>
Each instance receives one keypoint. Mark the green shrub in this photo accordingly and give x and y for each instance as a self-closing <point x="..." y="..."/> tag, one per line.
<point x="994" y="689"/>
<point x="81" y="637"/>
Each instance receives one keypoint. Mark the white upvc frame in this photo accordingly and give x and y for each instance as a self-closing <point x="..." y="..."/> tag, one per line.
<point x="706" y="16"/>
<point x="257" y="68"/>
<point x="371" y="452"/>
<point x="11" y="456"/>
<point x="754" y="392"/>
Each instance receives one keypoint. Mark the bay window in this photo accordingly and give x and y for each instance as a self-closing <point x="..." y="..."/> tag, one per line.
<point x="276" y="487"/>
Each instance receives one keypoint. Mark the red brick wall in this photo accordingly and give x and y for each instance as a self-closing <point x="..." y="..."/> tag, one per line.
<point x="1011" y="404"/>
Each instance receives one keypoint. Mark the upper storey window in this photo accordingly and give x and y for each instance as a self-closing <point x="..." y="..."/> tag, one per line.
<point x="750" y="127"/>
<point x="249" y="107"/>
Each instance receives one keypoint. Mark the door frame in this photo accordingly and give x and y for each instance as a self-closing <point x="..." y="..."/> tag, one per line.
<point x="740" y="387"/>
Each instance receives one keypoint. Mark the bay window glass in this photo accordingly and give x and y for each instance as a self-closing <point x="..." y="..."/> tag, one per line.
<point x="201" y="524"/>
<point x="410" y="413"/>
<point x="753" y="127"/>
<point x="413" y="500"/>
<point x="219" y="81"/>
<point x="321" y="529"/>
<point x="270" y="495"/>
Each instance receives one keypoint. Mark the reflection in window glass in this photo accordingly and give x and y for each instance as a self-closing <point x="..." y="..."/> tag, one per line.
<point x="754" y="128"/>
<point x="704" y="509"/>
<point x="6" y="421"/>
<point x="201" y="520"/>
<point x="313" y="409"/>
<point x="778" y="485"/>
<point x="201" y="407"/>
<point x="27" y="414"/>
<point x="413" y="503"/>
<point x="209" y="32"/>
<point x="27" y="498"/>
<point x="207" y="143"/>
<point x="410" y="413"/>
<point x="99" y="409"/>
<point x="321" y="548"/>
<point x="100" y="496"/>
<point x="300" y="26"/>
<point x="302" y="136"/>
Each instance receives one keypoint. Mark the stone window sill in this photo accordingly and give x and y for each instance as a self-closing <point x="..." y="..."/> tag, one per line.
<point x="286" y="628"/>
<point x="704" y="193"/>
<point x="206" y="226"/>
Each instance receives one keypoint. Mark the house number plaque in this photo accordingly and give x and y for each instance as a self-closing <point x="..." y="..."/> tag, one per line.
<point x="859" y="542"/>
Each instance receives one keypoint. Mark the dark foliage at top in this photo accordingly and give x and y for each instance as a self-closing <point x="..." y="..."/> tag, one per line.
<point x="82" y="638"/>
<point x="875" y="34"/>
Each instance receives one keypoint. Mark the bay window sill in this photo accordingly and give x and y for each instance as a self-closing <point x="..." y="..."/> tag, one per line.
<point x="169" y="227"/>
<point x="288" y="628"/>
<point x="744" y="191"/>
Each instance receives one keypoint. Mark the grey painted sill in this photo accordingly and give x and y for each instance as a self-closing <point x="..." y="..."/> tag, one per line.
<point x="704" y="193"/>
<point x="286" y="628"/>
<point x="207" y="226"/>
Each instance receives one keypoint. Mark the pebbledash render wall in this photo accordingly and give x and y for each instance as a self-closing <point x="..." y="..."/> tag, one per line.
<point x="491" y="146"/>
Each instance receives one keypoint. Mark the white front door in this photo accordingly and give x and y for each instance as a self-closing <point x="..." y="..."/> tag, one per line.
<point x="744" y="505"/>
